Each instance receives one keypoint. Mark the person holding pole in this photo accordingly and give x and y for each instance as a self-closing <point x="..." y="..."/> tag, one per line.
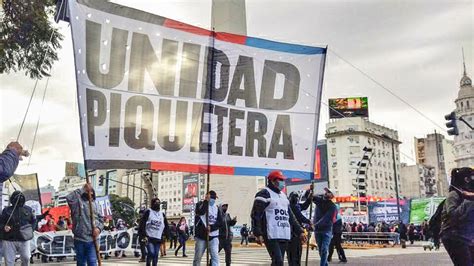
<point x="295" y="248"/>
<point x="84" y="233"/>
<point x="324" y="219"/>
<point x="273" y="222"/>
<point x="216" y="220"/>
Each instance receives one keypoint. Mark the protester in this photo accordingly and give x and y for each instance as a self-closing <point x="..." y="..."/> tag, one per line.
<point x="457" y="230"/>
<point x="324" y="218"/>
<point x="295" y="247"/>
<point x="48" y="227"/>
<point x="163" y="245"/>
<point x="183" y="236"/>
<point x="153" y="226"/>
<point x="225" y="234"/>
<point x="336" y="241"/>
<point x="84" y="233"/>
<point x="121" y="225"/>
<point x="62" y="224"/>
<point x="244" y="234"/>
<point x="141" y="238"/>
<point x="411" y="233"/>
<point x="273" y="221"/>
<point x="173" y="235"/>
<point x="9" y="160"/>
<point x="403" y="230"/>
<point x="208" y="205"/>
<point x="16" y="230"/>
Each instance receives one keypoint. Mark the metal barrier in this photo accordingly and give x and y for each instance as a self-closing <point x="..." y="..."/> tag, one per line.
<point x="371" y="237"/>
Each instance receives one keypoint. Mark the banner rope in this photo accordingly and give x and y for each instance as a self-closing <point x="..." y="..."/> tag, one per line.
<point x="38" y="122"/>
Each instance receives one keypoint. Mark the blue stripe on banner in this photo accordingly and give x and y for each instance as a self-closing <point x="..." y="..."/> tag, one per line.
<point x="264" y="172"/>
<point x="284" y="47"/>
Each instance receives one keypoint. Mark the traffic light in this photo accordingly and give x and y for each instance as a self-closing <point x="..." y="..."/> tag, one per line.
<point x="452" y="125"/>
<point x="101" y="180"/>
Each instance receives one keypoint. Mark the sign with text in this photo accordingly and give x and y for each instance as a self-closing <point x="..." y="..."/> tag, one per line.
<point x="348" y="107"/>
<point x="160" y="94"/>
<point x="190" y="191"/>
<point x="386" y="211"/>
<point x="423" y="209"/>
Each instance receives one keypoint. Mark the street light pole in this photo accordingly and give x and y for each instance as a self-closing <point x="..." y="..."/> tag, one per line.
<point x="386" y="137"/>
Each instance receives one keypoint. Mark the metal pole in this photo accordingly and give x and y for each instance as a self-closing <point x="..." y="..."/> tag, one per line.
<point x="310" y="214"/>
<point x="207" y="216"/>
<point x="396" y="181"/>
<point x="91" y="214"/>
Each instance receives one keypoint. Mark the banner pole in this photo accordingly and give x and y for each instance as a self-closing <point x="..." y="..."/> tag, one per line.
<point x="310" y="215"/>
<point x="91" y="213"/>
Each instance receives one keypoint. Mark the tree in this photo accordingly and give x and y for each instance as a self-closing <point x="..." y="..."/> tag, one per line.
<point x="28" y="41"/>
<point x="122" y="208"/>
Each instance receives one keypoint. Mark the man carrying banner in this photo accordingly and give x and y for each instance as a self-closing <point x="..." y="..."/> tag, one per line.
<point x="153" y="226"/>
<point x="81" y="219"/>
<point x="216" y="220"/>
<point x="272" y="219"/>
<point x="324" y="218"/>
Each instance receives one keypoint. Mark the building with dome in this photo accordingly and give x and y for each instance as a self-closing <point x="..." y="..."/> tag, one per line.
<point x="464" y="142"/>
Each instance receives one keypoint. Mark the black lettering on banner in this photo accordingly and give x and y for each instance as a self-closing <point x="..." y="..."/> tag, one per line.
<point x="116" y="65"/>
<point x="282" y="132"/>
<point x="210" y="69"/>
<point x="243" y="71"/>
<point x="220" y="112"/>
<point x="144" y="138"/>
<point x="234" y="131"/>
<point x="256" y="134"/>
<point x="93" y="98"/>
<point x="164" y="113"/>
<point x="162" y="72"/>
<point x="114" y="130"/>
<point x="290" y="89"/>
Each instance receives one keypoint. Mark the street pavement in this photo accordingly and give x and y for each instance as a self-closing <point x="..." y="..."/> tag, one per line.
<point x="258" y="256"/>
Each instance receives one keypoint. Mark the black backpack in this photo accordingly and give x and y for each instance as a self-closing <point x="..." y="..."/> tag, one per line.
<point x="434" y="225"/>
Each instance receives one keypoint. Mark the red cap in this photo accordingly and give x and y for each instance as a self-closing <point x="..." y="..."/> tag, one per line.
<point x="276" y="175"/>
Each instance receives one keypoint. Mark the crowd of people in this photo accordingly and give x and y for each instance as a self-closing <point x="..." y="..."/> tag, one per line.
<point x="277" y="222"/>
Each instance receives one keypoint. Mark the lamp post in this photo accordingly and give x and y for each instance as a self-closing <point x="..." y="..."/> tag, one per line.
<point x="392" y="141"/>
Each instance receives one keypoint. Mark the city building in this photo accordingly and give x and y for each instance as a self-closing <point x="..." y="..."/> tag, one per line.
<point x="463" y="143"/>
<point x="418" y="181"/>
<point x="346" y="140"/>
<point x="436" y="151"/>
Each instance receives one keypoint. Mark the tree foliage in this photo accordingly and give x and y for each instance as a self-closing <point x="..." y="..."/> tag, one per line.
<point x="28" y="40"/>
<point x="122" y="208"/>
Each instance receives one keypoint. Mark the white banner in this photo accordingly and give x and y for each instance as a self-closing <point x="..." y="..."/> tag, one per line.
<point x="61" y="243"/>
<point x="160" y="94"/>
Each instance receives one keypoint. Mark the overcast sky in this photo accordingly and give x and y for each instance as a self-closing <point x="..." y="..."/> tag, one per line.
<point x="412" y="47"/>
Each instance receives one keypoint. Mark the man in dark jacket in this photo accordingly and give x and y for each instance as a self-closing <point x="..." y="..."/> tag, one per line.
<point x="324" y="218"/>
<point x="16" y="230"/>
<point x="273" y="222"/>
<point x="244" y="234"/>
<point x="295" y="248"/>
<point x="225" y="234"/>
<point x="208" y="205"/>
<point x="336" y="241"/>
<point x="457" y="230"/>
<point x="173" y="236"/>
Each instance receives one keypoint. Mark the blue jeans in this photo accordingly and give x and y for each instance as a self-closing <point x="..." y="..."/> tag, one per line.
<point x="85" y="253"/>
<point x="200" y="247"/>
<point x="153" y="250"/>
<point x="323" y="239"/>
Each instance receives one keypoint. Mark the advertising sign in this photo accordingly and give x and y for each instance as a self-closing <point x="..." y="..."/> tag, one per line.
<point x="105" y="207"/>
<point x="423" y="209"/>
<point x="387" y="211"/>
<point x="75" y="169"/>
<point x="348" y="107"/>
<point x="27" y="184"/>
<point x="190" y="191"/>
<point x="156" y="93"/>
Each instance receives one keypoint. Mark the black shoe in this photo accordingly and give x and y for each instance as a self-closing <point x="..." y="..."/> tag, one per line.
<point x="343" y="260"/>
<point x="185" y="256"/>
<point x="329" y="259"/>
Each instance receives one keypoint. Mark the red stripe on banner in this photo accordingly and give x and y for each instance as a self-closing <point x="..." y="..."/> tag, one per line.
<point x="193" y="168"/>
<point x="317" y="165"/>
<point x="229" y="37"/>
<point x="169" y="23"/>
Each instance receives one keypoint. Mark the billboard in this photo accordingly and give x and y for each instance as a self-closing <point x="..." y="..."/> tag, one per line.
<point x="348" y="107"/>
<point x="423" y="209"/>
<point x="387" y="211"/>
<point x="27" y="184"/>
<point x="190" y="191"/>
<point x="75" y="169"/>
<point x="156" y="93"/>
